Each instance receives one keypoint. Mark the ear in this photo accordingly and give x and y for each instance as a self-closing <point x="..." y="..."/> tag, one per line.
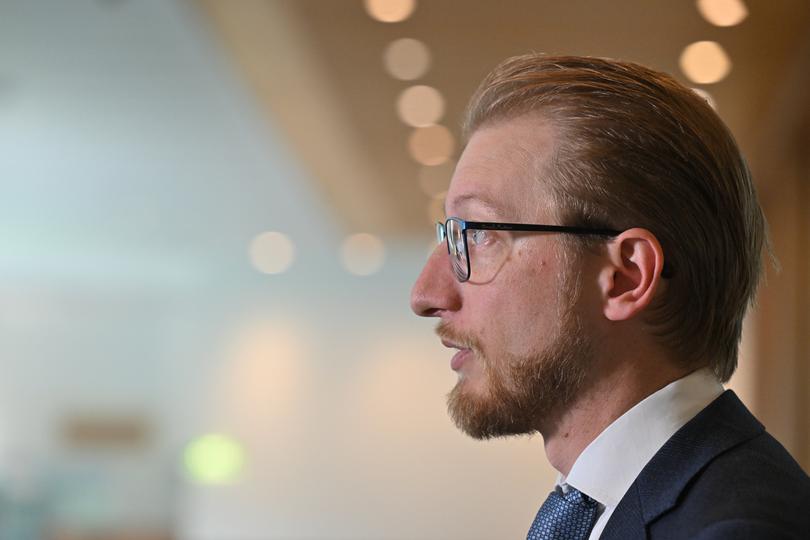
<point x="631" y="274"/>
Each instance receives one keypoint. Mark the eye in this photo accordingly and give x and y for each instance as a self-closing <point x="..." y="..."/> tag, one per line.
<point x="480" y="237"/>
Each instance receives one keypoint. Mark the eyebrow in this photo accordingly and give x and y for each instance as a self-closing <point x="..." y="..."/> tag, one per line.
<point x="498" y="208"/>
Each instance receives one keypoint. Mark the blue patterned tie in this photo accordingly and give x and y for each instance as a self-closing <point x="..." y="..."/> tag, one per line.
<point x="564" y="516"/>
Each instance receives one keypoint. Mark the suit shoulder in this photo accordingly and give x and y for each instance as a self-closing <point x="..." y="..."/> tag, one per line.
<point x="759" y="466"/>
<point x="752" y="487"/>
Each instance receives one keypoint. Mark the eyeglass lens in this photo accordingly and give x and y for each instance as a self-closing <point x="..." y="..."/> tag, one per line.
<point x="458" y="253"/>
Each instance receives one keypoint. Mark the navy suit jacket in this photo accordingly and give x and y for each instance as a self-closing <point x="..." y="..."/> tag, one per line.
<point x="721" y="476"/>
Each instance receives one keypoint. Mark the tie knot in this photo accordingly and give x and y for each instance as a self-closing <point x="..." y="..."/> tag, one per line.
<point x="569" y="516"/>
<point x="575" y="496"/>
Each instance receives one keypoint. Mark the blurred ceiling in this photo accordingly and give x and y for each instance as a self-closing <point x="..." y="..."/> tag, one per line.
<point x="317" y="68"/>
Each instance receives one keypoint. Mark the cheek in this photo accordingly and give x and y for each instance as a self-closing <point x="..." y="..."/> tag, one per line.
<point x="512" y="313"/>
<point x="527" y="304"/>
<point x="491" y="318"/>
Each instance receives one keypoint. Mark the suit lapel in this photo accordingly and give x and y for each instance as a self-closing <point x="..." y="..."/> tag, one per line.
<point x="627" y="521"/>
<point x="723" y="424"/>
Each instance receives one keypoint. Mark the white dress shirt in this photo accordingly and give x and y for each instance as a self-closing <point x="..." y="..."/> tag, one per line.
<point x="608" y="466"/>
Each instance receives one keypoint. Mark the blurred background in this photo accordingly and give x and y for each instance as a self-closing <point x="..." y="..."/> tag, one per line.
<point x="211" y="214"/>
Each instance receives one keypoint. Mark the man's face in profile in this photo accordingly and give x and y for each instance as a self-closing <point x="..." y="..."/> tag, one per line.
<point x="522" y="344"/>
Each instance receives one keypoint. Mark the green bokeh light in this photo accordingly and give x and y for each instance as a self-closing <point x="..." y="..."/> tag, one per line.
<point x="214" y="459"/>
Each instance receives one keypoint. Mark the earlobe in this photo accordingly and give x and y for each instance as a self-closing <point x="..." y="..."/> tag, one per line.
<point x="631" y="274"/>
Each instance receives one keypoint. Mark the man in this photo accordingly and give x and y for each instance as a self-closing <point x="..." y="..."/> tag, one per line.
<point x="604" y="242"/>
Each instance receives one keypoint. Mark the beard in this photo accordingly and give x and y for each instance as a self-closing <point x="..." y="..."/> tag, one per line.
<point x="522" y="391"/>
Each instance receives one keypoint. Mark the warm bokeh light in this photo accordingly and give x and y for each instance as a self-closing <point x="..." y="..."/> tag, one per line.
<point x="707" y="96"/>
<point x="272" y="252"/>
<point x="420" y="106"/>
<point x="390" y="11"/>
<point x="723" y="12"/>
<point x="432" y="145"/>
<point x="261" y="378"/>
<point x="705" y="62"/>
<point x="407" y="59"/>
<point x="436" y="180"/>
<point x="362" y="254"/>
<point x="214" y="459"/>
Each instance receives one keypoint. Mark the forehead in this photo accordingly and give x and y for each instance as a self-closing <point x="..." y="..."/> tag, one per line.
<point x="502" y="170"/>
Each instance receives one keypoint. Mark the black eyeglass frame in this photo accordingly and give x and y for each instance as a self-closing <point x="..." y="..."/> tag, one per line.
<point x="441" y="233"/>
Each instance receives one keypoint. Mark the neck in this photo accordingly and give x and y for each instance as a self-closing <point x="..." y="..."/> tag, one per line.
<point x="569" y="432"/>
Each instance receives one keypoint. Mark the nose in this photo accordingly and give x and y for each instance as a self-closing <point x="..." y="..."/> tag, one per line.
<point x="436" y="290"/>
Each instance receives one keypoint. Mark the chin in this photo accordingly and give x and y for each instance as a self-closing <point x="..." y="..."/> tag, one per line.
<point x="480" y="414"/>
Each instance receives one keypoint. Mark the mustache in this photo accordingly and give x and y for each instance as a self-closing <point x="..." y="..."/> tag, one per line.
<point x="445" y="331"/>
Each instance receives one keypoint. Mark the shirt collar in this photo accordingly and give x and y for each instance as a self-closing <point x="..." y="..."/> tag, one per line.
<point x="609" y="465"/>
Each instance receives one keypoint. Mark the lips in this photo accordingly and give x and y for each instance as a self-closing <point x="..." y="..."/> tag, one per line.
<point x="460" y="357"/>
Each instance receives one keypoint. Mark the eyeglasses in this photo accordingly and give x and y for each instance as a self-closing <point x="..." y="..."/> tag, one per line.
<point x="490" y="244"/>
